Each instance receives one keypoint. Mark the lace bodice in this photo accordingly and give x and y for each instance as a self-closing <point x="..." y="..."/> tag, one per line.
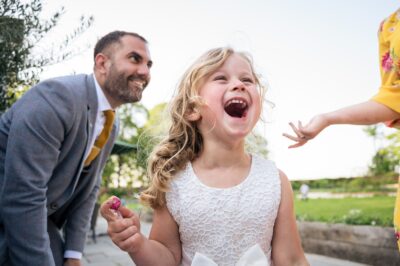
<point x="223" y="223"/>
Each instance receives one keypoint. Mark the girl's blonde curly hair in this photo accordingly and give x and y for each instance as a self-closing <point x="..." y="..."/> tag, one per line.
<point x="184" y="141"/>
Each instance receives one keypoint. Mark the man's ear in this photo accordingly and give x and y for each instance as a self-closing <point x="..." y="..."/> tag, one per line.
<point x="194" y="115"/>
<point x="101" y="61"/>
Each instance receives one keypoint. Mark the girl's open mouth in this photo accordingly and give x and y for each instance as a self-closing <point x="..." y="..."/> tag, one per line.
<point x="236" y="108"/>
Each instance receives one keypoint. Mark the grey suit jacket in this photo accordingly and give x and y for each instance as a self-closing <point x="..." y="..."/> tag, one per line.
<point x="43" y="139"/>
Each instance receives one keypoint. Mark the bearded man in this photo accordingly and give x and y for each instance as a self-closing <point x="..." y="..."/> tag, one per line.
<point x="54" y="143"/>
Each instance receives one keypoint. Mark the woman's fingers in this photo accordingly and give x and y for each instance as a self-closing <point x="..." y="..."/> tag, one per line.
<point x="296" y="130"/>
<point x="299" y="138"/>
<point x="291" y="137"/>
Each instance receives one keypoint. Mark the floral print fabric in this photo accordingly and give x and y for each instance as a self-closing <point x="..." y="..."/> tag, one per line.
<point x="389" y="59"/>
<point x="389" y="93"/>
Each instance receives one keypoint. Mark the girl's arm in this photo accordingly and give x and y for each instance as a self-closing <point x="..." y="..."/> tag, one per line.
<point x="286" y="244"/>
<point x="366" y="113"/>
<point x="163" y="247"/>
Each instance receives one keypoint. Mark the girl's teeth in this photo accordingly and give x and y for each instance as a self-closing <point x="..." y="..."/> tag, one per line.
<point x="243" y="103"/>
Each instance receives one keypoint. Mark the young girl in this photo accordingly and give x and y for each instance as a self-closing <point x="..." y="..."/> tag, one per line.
<point x="214" y="203"/>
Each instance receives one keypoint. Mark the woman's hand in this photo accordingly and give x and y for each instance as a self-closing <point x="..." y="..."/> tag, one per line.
<point x="304" y="133"/>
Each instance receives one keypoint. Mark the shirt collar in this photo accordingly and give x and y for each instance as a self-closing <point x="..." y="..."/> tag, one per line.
<point x="101" y="98"/>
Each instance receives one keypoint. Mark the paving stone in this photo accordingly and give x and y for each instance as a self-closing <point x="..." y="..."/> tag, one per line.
<point x="105" y="253"/>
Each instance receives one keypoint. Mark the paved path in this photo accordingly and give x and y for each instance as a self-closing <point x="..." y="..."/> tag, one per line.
<point x="105" y="253"/>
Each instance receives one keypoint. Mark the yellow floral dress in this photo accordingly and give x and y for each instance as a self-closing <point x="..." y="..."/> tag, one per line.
<point x="389" y="93"/>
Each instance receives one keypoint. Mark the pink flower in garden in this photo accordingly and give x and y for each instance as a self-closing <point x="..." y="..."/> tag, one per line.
<point x="397" y="234"/>
<point x="115" y="203"/>
<point x="387" y="62"/>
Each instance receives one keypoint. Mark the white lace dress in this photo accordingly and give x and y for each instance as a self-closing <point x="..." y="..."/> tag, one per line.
<point x="223" y="223"/>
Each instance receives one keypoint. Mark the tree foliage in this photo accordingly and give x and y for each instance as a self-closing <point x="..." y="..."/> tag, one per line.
<point x="124" y="173"/>
<point x="22" y="29"/>
<point x="387" y="156"/>
<point x="387" y="159"/>
<point x="144" y="129"/>
<point x="381" y="184"/>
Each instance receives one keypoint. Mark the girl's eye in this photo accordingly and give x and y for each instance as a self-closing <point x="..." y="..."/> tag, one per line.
<point x="248" y="80"/>
<point x="219" y="78"/>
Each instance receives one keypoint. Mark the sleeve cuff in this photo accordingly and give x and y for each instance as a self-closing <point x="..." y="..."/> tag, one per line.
<point x="72" y="254"/>
<point x="389" y="96"/>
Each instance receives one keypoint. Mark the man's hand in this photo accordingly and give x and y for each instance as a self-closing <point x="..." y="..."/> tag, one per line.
<point x="123" y="226"/>
<point x="72" y="262"/>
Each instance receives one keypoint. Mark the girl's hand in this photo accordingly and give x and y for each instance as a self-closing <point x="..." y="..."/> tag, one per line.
<point x="307" y="132"/>
<point x="123" y="225"/>
<point x="110" y="211"/>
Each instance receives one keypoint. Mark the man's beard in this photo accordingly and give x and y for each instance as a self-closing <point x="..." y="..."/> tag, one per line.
<point x="117" y="86"/>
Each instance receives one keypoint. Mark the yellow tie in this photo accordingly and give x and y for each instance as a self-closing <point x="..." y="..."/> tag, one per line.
<point x="397" y="215"/>
<point x="103" y="137"/>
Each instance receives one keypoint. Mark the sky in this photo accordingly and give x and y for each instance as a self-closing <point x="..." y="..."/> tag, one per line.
<point x="315" y="56"/>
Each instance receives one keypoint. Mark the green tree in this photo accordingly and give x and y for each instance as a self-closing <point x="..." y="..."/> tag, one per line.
<point x="124" y="173"/>
<point x="144" y="129"/>
<point x="383" y="162"/>
<point x="387" y="155"/>
<point x="21" y="29"/>
<point x="373" y="132"/>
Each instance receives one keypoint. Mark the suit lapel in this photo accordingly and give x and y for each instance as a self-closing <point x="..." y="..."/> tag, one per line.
<point x="92" y="106"/>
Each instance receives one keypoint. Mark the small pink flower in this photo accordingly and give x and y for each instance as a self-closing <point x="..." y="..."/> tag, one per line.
<point x="116" y="202"/>
<point x="397" y="234"/>
<point x="387" y="62"/>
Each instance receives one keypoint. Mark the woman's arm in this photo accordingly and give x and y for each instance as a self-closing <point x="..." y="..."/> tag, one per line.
<point x="286" y="244"/>
<point x="366" y="113"/>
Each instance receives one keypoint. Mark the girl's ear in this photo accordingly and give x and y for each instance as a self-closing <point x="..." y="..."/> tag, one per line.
<point x="194" y="115"/>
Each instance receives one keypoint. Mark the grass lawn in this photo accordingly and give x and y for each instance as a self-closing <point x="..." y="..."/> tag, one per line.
<point x="376" y="210"/>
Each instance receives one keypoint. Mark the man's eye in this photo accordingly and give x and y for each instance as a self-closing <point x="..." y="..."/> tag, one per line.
<point x="134" y="58"/>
